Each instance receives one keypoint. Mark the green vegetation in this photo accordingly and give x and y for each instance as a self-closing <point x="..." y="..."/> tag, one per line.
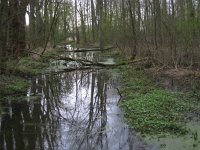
<point x="30" y="65"/>
<point x="169" y="31"/>
<point x="150" y="109"/>
<point x="10" y="85"/>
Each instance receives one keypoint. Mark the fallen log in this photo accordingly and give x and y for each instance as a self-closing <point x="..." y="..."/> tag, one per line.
<point x="89" y="50"/>
<point x="99" y="66"/>
<point x="86" y="62"/>
<point x="63" y="43"/>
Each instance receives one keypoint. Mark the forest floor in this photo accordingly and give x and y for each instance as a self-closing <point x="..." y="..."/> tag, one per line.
<point x="175" y="79"/>
<point x="12" y="85"/>
<point x="15" y="81"/>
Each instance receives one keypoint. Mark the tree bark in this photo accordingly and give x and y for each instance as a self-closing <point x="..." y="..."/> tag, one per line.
<point x="3" y="34"/>
<point x="76" y="24"/>
<point x="17" y="30"/>
<point x="132" y="19"/>
<point x="93" y="20"/>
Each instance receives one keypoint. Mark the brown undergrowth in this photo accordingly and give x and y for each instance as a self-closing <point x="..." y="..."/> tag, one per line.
<point x="174" y="79"/>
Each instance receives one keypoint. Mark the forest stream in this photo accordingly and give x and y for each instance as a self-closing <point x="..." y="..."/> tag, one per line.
<point x="75" y="110"/>
<point x="69" y="111"/>
<point x="99" y="74"/>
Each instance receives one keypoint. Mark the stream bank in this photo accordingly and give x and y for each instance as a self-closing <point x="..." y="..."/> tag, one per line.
<point x="82" y="103"/>
<point x="168" y="117"/>
<point x="69" y="110"/>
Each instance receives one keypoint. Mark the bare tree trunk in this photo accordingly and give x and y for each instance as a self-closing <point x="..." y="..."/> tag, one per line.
<point x="22" y="28"/>
<point x="123" y="17"/>
<point x="100" y="21"/>
<point x="157" y="23"/>
<point x="3" y="35"/>
<point x="93" y="20"/>
<point x="164" y="8"/>
<point x="173" y="43"/>
<point x="76" y="24"/>
<point x="132" y="19"/>
<point x="40" y="38"/>
<point x="32" y="26"/>
<point x="13" y="28"/>
<point x="51" y="27"/>
<point x="138" y="15"/>
<point x="83" y="28"/>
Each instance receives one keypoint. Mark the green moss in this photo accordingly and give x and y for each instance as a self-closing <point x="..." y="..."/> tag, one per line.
<point x="32" y="66"/>
<point x="12" y="85"/>
<point x="150" y="109"/>
<point x="28" y="65"/>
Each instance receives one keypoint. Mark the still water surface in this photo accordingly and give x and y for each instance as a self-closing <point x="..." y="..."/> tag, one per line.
<point x="76" y="110"/>
<point x="68" y="111"/>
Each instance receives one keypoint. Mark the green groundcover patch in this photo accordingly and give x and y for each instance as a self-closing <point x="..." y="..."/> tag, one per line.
<point x="150" y="109"/>
<point x="12" y="85"/>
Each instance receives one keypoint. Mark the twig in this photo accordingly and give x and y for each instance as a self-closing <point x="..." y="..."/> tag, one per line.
<point x="119" y="95"/>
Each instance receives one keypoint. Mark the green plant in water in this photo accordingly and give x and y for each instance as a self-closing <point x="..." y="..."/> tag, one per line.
<point x="150" y="109"/>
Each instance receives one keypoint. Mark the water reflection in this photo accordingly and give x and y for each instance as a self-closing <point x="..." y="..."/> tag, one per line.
<point x="71" y="110"/>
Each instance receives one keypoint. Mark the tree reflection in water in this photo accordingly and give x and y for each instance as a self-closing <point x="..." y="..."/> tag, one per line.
<point x="70" y="110"/>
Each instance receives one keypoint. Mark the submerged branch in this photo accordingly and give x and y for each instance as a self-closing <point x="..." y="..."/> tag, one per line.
<point x="119" y="95"/>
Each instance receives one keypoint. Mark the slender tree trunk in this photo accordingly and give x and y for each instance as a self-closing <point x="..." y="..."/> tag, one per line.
<point x="3" y="35"/>
<point x="32" y="26"/>
<point x="138" y="15"/>
<point x="93" y="20"/>
<point x="123" y="17"/>
<point x="164" y="8"/>
<point x="54" y="21"/>
<point x="46" y="19"/>
<point x="40" y="38"/>
<point x="198" y="9"/>
<point x="146" y="16"/>
<point x="83" y="28"/>
<point x="76" y="24"/>
<point x="173" y="43"/>
<point x="13" y="28"/>
<point x="22" y="28"/>
<point x="100" y="21"/>
<point x="157" y="23"/>
<point x="132" y="19"/>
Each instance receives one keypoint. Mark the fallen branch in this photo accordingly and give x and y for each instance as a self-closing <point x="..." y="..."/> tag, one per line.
<point x="92" y="63"/>
<point x="64" y="43"/>
<point x="89" y="50"/>
<point x="119" y="95"/>
<point x="86" y="62"/>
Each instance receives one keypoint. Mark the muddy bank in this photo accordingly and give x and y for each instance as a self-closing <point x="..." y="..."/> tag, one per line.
<point x="175" y="79"/>
<point x="186" y="81"/>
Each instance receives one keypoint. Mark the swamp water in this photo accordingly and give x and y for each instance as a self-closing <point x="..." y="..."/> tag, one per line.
<point x="74" y="110"/>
